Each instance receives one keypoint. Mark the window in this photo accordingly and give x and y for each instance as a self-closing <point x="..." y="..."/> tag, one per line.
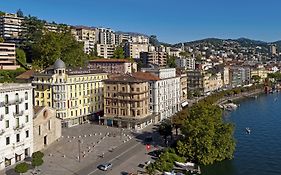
<point x="26" y="96"/>
<point x="26" y="106"/>
<point x="7" y="140"/>
<point x="17" y="97"/>
<point x="18" y="137"/>
<point x="17" y="109"/>
<point x="7" y="123"/>
<point x="27" y="133"/>
<point x="39" y="130"/>
<point x="6" y="98"/>
<point x="26" y="119"/>
<point x="49" y="124"/>
<point x="17" y="122"/>
<point x="6" y="110"/>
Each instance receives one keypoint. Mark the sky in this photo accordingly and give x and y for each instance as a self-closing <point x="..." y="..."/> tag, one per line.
<point x="172" y="21"/>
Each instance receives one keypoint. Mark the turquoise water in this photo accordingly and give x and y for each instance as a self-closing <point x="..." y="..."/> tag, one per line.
<point x="258" y="153"/>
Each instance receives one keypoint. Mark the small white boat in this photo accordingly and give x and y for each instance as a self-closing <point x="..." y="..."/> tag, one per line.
<point x="248" y="130"/>
<point x="187" y="164"/>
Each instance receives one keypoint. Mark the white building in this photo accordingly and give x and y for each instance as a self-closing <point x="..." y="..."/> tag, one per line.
<point x="87" y="35"/>
<point x="133" y="50"/>
<point x="16" y="123"/>
<point x="105" y="50"/>
<point x="105" y="36"/>
<point x="164" y="91"/>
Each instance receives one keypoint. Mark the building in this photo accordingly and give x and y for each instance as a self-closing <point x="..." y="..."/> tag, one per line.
<point x="8" y="56"/>
<point x="186" y="63"/>
<point x="46" y="127"/>
<point x="195" y="81"/>
<point x="183" y="85"/>
<point x="114" y="66"/>
<point x="105" y="50"/>
<point x="273" y="49"/>
<point x="164" y="92"/>
<point x="76" y="94"/>
<point x="87" y="35"/>
<point x="126" y="102"/>
<point x="16" y="125"/>
<point x="105" y="36"/>
<point x="11" y="27"/>
<point x="154" y="57"/>
<point x="239" y="76"/>
<point x="212" y="82"/>
<point x="141" y="39"/>
<point x="133" y="50"/>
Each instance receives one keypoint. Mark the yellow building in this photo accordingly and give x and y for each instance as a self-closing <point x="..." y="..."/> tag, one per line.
<point x="76" y="94"/>
<point x="261" y="72"/>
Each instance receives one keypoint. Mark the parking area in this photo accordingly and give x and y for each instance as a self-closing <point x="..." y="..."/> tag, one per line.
<point x="88" y="141"/>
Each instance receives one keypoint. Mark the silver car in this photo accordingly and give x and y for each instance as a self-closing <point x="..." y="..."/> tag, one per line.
<point x="105" y="166"/>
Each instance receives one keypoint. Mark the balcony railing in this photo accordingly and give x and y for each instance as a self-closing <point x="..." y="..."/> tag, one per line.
<point x="1" y="117"/>
<point x="19" y="127"/>
<point x="20" y="113"/>
<point x="2" y="131"/>
<point x="11" y="102"/>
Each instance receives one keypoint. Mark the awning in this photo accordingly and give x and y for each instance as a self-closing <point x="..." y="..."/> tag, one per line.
<point x="19" y="152"/>
<point x="9" y="156"/>
<point x="184" y="104"/>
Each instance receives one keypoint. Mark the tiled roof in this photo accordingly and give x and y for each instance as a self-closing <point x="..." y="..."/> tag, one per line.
<point x="109" y="61"/>
<point x="37" y="109"/>
<point x="124" y="78"/>
<point x="146" y="76"/>
<point x="26" y="75"/>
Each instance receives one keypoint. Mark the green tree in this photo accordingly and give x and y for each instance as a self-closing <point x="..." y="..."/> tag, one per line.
<point x="154" y="41"/>
<point x="21" y="168"/>
<point x="171" y="61"/>
<point x="52" y="46"/>
<point x="165" y="129"/>
<point x="118" y="52"/>
<point x="2" y="13"/>
<point x="150" y="169"/>
<point x="206" y="137"/>
<point x="37" y="162"/>
<point x="178" y="119"/>
<point x="256" y="78"/>
<point x="19" y="13"/>
<point x="38" y="155"/>
<point x="21" y="57"/>
<point x="1" y="40"/>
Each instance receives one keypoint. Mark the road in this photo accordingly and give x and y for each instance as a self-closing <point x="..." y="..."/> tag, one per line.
<point x="121" y="155"/>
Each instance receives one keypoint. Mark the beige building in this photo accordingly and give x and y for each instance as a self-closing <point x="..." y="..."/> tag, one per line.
<point x="126" y="102"/>
<point x="105" y="50"/>
<point x="183" y="86"/>
<point x="154" y="57"/>
<point x="8" y="56"/>
<point x="212" y="82"/>
<point x="87" y="35"/>
<point x="11" y="28"/>
<point x="133" y="50"/>
<point x="114" y="66"/>
<point x="46" y="127"/>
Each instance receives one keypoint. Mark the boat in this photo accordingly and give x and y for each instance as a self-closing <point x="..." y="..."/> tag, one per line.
<point x="248" y="130"/>
<point x="230" y="106"/>
<point x="183" y="165"/>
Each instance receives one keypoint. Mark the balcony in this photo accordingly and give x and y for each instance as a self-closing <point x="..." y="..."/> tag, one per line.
<point x="20" y="113"/>
<point x="2" y="131"/>
<point x="11" y="102"/>
<point x="19" y="127"/>
<point x="1" y="117"/>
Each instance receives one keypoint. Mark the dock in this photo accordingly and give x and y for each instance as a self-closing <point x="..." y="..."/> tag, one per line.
<point x="191" y="169"/>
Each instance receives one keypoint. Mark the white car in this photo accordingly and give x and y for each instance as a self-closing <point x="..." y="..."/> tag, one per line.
<point x="105" y="166"/>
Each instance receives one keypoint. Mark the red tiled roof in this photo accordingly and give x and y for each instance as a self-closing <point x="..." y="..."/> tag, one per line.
<point x="26" y="75"/>
<point x="109" y="61"/>
<point x="145" y="76"/>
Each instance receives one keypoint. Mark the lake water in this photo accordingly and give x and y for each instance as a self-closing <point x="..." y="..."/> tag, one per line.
<point x="257" y="153"/>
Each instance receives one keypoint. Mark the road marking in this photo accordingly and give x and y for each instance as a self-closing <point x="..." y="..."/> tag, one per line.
<point x="117" y="156"/>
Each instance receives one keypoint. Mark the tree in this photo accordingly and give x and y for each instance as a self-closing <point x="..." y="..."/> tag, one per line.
<point x="178" y="119"/>
<point x="21" y="168"/>
<point x="19" y="13"/>
<point x="165" y="129"/>
<point x="154" y="41"/>
<point x="20" y="55"/>
<point x="52" y="46"/>
<point x="118" y="52"/>
<point x="256" y="78"/>
<point x="171" y="61"/>
<point x="38" y="154"/>
<point x="206" y="137"/>
<point x="2" y="13"/>
<point x="150" y="169"/>
<point x="37" y="162"/>
<point x="1" y="40"/>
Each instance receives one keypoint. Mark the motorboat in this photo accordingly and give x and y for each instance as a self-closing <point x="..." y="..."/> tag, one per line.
<point x="248" y="130"/>
<point x="187" y="164"/>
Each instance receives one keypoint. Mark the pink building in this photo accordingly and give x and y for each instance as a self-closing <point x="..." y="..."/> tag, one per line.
<point x="114" y="66"/>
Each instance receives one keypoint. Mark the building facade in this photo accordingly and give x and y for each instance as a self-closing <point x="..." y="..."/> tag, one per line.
<point x="11" y="27"/>
<point x="126" y="102"/>
<point x="133" y="50"/>
<point x="8" y="56"/>
<point x="87" y="35"/>
<point x="212" y="82"/>
<point x="105" y="50"/>
<point x="195" y="81"/>
<point x="154" y="57"/>
<point x="76" y="94"/>
<point x="114" y="66"/>
<point x="105" y="36"/>
<point x="16" y="125"/>
<point x="46" y="127"/>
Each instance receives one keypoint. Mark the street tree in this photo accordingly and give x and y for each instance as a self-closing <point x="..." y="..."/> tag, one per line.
<point x="165" y="129"/>
<point x="118" y="53"/>
<point x="21" y="168"/>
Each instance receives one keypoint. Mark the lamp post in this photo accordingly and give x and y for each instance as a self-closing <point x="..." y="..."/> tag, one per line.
<point x="79" y="156"/>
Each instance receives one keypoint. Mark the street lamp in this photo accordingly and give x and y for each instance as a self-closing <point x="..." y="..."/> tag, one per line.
<point x="79" y="156"/>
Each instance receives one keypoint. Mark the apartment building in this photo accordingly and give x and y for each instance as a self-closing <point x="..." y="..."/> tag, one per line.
<point x="212" y="82"/>
<point x="195" y="81"/>
<point x="16" y="124"/>
<point x="239" y="76"/>
<point x="105" y="36"/>
<point x="133" y="50"/>
<point x="164" y="90"/>
<point x="114" y="66"/>
<point x="8" y="56"/>
<point x="105" y="50"/>
<point x="11" y="27"/>
<point x="126" y="102"/>
<point x="185" y="63"/>
<point x="87" y="35"/>
<point x="76" y="94"/>
<point x="154" y="57"/>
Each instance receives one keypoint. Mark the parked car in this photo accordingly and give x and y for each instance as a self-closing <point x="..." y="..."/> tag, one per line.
<point x="105" y="166"/>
